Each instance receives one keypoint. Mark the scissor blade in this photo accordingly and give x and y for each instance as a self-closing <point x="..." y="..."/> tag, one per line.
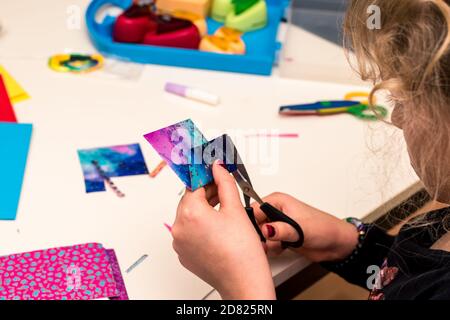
<point x="246" y="187"/>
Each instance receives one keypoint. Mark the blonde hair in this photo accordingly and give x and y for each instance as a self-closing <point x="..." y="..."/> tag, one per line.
<point x="409" y="57"/>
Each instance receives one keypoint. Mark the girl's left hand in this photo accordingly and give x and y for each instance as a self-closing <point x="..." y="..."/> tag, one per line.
<point x="221" y="246"/>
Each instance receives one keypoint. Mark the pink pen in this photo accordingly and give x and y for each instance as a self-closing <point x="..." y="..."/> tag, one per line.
<point x="192" y="93"/>
<point x="274" y="135"/>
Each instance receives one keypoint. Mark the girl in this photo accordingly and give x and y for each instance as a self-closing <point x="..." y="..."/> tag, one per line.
<point x="409" y="56"/>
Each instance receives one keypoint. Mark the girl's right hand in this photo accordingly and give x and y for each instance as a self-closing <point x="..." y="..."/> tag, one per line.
<point x="327" y="238"/>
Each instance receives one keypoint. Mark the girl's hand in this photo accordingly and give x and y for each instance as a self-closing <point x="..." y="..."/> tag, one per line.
<point x="327" y="238"/>
<point x="221" y="246"/>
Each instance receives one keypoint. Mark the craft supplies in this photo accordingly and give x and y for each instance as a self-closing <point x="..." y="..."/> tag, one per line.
<point x="189" y="154"/>
<point x="197" y="20"/>
<point x="273" y="135"/>
<point x="139" y="24"/>
<point x="234" y="37"/>
<point x="243" y="15"/>
<point x="137" y="263"/>
<point x="192" y="93"/>
<point x="358" y="108"/>
<point x="6" y="109"/>
<point x="14" y="147"/>
<point x="251" y="18"/>
<point x="174" y="143"/>
<point x="79" y="272"/>
<point x="198" y="7"/>
<point x="115" y="161"/>
<point x="123" y="70"/>
<point x="173" y="32"/>
<point x="75" y="63"/>
<point x="15" y="91"/>
<point x="225" y="40"/>
<point x="262" y="47"/>
<point x="158" y="169"/>
<point x="220" y="9"/>
<point x="107" y="180"/>
<point x="132" y="25"/>
<point x="273" y="214"/>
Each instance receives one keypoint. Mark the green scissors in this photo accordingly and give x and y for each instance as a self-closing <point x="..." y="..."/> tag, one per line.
<point x="359" y="109"/>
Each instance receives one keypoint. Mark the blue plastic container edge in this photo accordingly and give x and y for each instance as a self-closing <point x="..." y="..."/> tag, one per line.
<point x="175" y="56"/>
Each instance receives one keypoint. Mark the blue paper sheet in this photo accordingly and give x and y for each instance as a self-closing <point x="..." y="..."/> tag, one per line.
<point x="14" y="144"/>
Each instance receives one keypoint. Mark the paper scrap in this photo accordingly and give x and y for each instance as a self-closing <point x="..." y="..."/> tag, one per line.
<point x="14" y="146"/>
<point x="15" y="90"/>
<point x="115" y="161"/>
<point x="79" y="272"/>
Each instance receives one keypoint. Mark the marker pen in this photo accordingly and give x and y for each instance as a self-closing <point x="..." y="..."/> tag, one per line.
<point x="192" y="93"/>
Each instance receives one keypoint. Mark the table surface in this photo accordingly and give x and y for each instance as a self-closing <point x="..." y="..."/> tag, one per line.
<point x="339" y="164"/>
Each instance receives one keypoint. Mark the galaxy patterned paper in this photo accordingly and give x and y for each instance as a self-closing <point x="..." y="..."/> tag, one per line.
<point x="188" y="153"/>
<point x="221" y="148"/>
<point x="115" y="161"/>
<point x="174" y="144"/>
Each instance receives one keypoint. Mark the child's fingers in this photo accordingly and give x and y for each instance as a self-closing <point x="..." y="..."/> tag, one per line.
<point x="199" y="193"/>
<point x="213" y="201"/>
<point x="193" y="202"/>
<point x="208" y="193"/>
<point x="274" y="248"/>
<point x="259" y="215"/>
<point x="211" y="191"/>
<point x="226" y="188"/>
<point x="275" y="199"/>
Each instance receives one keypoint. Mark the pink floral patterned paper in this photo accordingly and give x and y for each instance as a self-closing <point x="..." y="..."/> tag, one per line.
<point x="80" y="272"/>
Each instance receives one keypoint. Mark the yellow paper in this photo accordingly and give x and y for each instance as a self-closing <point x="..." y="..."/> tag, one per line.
<point x="15" y="91"/>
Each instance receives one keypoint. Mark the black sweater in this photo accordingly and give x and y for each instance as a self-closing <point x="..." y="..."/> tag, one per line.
<point x="405" y="266"/>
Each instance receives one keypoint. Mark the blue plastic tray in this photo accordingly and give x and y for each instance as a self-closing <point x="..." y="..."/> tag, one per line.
<point x="262" y="45"/>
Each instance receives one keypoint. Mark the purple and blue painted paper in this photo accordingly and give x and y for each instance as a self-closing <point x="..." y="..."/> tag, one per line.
<point x="115" y="161"/>
<point x="189" y="153"/>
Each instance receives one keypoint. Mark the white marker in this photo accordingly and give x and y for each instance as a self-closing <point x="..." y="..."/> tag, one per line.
<point x="192" y="93"/>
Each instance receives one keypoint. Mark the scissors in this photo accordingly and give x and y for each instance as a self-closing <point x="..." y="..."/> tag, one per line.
<point x="359" y="109"/>
<point x="272" y="213"/>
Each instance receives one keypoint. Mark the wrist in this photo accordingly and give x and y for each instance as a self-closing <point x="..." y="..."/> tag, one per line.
<point x="347" y="239"/>
<point x="248" y="293"/>
<point x="250" y="287"/>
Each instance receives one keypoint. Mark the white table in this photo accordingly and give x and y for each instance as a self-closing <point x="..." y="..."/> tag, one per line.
<point x="330" y="166"/>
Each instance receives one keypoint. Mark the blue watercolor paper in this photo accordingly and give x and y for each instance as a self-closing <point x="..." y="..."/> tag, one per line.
<point x="115" y="161"/>
<point x="14" y="145"/>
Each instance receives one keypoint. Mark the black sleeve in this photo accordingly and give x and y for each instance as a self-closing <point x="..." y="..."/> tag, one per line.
<point x="371" y="251"/>
<point x="442" y="290"/>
